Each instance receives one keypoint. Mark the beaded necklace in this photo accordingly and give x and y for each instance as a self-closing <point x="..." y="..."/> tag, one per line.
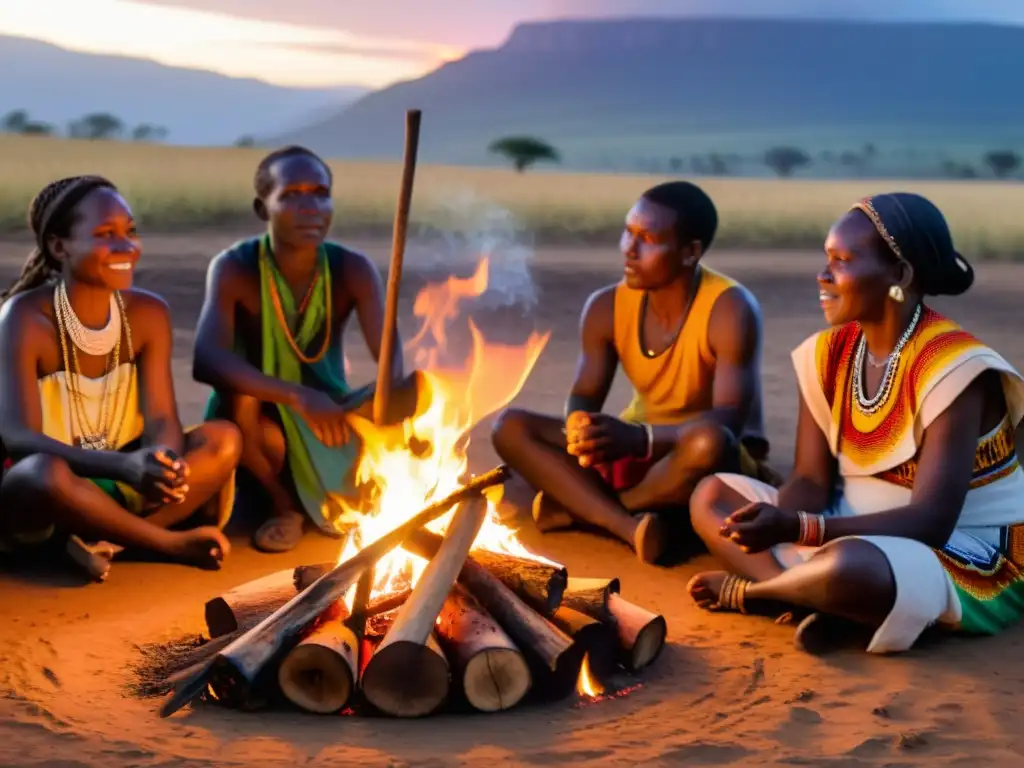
<point x="869" y="406"/>
<point x="99" y="436"/>
<point x="320" y="280"/>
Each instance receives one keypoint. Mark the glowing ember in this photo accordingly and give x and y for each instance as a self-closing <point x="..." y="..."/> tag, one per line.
<point x="587" y="684"/>
<point x="409" y="466"/>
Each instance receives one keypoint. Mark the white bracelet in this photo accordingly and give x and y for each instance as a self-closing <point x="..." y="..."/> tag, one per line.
<point x="650" y="441"/>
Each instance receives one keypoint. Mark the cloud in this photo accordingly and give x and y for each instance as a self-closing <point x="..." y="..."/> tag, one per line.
<point x="462" y="23"/>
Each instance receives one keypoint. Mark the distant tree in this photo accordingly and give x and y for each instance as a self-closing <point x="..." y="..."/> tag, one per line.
<point x="785" y="160"/>
<point x="718" y="164"/>
<point x="15" y="121"/>
<point x="524" y="151"/>
<point x="1002" y="162"/>
<point x="245" y="141"/>
<point x="851" y="159"/>
<point x="148" y="132"/>
<point x="98" y="125"/>
<point x="957" y="170"/>
<point x="34" y="128"/>
<point x="675" y="164"/>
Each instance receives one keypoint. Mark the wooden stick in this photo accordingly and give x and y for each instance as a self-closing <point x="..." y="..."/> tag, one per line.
<point x="490" y="669"/>
<point x="403" y="678"/>
<point x="235" y="669"/>
<point x="641" y="633"/>
<point x="590" y="596"/>
<point x="305" y="575"/>
<point x="245" y="606"/>
<point x="548" y="646"/>
<point x="382" y="396"/>
<point x="540" y="585"/>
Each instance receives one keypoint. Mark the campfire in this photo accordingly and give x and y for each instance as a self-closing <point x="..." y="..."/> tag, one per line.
<point x="432" y="601"/>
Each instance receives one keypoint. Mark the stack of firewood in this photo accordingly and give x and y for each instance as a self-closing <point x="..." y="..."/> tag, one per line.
<point x="482" y="627"/>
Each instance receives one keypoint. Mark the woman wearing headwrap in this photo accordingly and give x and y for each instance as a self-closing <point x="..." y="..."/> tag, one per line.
<point x="90" y="440"/>
<point x="905" y="507"/>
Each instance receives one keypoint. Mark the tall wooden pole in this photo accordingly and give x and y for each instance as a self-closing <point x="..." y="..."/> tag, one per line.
<point x="382" y="396"/>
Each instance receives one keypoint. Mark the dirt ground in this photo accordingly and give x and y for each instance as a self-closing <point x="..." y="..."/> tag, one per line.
<point x="727" y="691"/>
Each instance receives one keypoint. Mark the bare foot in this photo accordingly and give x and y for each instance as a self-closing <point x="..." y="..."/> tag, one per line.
<point x="549" y="515"/>
<point x="651" y="538"/>
<point x="724" y="591"/>
<point x="94" y="558"/>
<point x="705" y="588"/>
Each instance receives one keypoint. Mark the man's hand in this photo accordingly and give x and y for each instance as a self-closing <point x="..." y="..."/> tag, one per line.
<point x="327" y="419"/>
<point x="757" y="527"/>
<point x="596" y="438"/>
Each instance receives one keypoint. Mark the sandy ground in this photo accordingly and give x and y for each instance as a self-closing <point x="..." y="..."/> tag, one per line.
<point x="727" y="691"/>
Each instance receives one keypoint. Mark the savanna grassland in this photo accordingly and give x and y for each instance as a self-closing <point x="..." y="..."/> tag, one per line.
<point x="172" y="188"/>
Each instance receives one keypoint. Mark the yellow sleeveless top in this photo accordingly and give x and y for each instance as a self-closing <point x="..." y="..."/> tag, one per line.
<point x="60" y="421"/>
<point x="677" y="383"/>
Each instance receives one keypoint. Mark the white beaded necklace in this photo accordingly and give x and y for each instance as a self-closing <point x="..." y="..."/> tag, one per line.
<point x="873" y="405"/>
<point x="98" y="341"/>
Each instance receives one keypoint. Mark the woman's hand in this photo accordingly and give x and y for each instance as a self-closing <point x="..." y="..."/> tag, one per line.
<point x="757" y="527"/>
<point x="158" y="474"/>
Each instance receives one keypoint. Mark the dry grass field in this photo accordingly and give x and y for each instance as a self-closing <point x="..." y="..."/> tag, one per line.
<point x="173" y="188"/>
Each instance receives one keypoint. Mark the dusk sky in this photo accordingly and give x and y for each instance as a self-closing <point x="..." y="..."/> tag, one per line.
<point x="376" y="42"/>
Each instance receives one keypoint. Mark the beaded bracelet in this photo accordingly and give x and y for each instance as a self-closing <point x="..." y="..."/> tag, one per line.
<point x="812" y="530"/>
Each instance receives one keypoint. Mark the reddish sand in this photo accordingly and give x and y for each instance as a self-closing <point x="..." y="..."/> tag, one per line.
<point x="728" y="690"/>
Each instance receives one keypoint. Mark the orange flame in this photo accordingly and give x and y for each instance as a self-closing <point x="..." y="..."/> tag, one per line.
<point x="423" y="459"/>
<point x="587" y="684"/>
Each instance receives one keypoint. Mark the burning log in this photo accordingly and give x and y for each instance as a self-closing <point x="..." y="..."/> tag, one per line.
<point x="549" y="646"/>
<point x="597" y="638"/>
<point x="538" y="584"/>
<point x="641" y="633"/>
<point x="233" y="672"/>
<point x="319" y="674"/>
<point x="405" y="677"/>
<point x="492" y="672"/>
<point x="590" y="596"/>
<point x="245" y="606"/>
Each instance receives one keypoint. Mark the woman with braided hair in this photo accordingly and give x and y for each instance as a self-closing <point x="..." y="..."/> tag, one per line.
<point x="905" y="509"/>
<point x="89" y="428"/>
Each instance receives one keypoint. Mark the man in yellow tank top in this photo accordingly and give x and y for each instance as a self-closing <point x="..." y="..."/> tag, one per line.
<point x="689" y="340"/>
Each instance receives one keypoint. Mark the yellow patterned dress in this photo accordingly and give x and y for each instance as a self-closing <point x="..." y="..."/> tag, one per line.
<point x="975" y="582"/>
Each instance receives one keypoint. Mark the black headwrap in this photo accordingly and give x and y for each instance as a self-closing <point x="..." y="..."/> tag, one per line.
<point x="917" y="233"/>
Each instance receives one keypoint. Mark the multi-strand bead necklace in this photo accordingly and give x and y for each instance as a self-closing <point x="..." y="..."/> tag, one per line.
<point x="101" y="342"/>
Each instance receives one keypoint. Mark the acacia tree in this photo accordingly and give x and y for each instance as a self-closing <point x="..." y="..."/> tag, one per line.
<point x="785" y="160"/>
<point x="524" y="151"/>
<point x="15" y="121"/>
<point x="1003" y="162"/>
<point x="148" y="132"/>
<point x="98" y="125"/>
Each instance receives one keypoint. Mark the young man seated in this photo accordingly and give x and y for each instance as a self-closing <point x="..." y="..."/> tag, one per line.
<point x="689" y="340"/>
<point x="269" y="342"/>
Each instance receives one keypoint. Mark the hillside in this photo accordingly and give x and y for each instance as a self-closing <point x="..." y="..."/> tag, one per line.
<point x="56" y="86"/>
<point x="617" y="93"/>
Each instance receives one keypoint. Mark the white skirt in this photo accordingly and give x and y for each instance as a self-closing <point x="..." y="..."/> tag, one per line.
<point x="924" y="592"/>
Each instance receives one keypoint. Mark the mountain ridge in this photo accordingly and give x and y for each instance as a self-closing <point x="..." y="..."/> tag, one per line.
<point x="196" y="106"/>
<point x="597" y="87"/>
